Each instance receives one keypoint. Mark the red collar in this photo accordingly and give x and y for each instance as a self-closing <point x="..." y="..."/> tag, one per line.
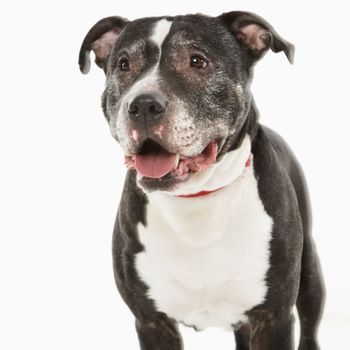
<point x="204" y="193"/>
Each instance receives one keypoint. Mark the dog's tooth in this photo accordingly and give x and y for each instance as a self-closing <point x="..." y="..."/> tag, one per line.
<point x="177" y="160"/>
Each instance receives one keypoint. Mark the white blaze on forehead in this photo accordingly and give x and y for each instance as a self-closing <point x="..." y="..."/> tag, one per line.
<point x="160" y="31"/>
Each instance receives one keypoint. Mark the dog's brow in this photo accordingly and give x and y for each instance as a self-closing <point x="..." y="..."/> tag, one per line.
<point x="132" y="47"/>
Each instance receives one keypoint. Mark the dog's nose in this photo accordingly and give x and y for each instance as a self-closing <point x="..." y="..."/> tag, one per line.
<point x="149" y="106"/>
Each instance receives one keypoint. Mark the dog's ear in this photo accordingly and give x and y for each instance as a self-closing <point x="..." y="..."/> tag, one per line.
<point x="255" y="35"/>
<point x="100" y="38"/>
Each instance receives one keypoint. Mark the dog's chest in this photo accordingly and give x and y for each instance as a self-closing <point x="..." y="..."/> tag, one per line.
<point x="206" y="258"/>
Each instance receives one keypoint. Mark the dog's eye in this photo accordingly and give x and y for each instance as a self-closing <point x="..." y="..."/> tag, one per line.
<point x="198" y="61"/>
<point x="123" y="64"/>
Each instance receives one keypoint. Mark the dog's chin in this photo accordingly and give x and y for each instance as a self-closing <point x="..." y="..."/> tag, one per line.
<point x="166" y="183"/>
<point x="159" y="170"/>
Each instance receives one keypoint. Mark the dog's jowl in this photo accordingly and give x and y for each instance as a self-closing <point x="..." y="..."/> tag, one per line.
<point x="214" y="224"/>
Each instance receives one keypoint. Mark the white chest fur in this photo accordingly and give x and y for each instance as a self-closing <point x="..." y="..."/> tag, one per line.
<point x="206" y="258"/>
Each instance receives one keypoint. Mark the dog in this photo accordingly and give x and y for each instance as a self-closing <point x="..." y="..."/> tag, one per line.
<point x="214" y="224"/>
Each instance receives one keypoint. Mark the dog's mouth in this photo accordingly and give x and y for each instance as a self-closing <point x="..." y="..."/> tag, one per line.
<point x="154" y="162"/>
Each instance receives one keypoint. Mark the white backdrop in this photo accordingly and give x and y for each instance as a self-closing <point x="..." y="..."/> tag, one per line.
<point x="62" y="173"/>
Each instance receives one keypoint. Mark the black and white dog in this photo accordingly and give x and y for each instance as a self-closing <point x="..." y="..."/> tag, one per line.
<point x="214" y="224"/>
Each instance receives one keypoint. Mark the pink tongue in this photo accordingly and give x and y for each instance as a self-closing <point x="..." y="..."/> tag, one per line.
<point x="155" y="165"/>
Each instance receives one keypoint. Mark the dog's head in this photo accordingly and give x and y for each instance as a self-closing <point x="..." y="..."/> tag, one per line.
<point x="177" y="88"/>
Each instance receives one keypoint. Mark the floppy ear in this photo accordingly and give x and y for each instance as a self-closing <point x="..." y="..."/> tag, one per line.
<point x="100" y="38"/>
<point x="255" y="35"/>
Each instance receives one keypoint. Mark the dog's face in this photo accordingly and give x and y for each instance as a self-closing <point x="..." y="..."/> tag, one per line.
<point x="177" y="89"/>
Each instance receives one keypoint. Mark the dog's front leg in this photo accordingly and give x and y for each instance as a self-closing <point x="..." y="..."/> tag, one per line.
<point x="273" y="332"/>
<point x="159" y="333"/>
